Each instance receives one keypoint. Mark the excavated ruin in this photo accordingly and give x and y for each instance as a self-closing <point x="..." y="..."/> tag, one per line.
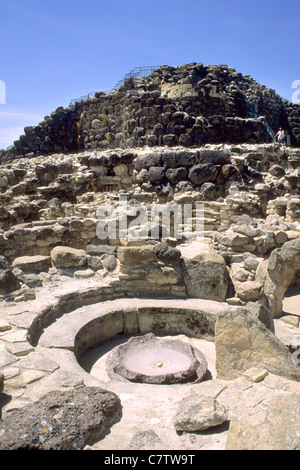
<point x="150" y="255"/>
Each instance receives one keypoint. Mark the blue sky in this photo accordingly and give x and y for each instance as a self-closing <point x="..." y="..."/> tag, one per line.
<point x="52" y="52"/>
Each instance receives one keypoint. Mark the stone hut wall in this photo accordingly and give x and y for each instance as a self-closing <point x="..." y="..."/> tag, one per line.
<point x="49" y="201"/>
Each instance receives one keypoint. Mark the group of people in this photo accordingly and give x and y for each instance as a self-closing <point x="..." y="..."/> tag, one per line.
<point x="282" y="137"/>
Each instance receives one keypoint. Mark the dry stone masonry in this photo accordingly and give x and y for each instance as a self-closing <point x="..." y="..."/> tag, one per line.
<point x="161" y="210"/>
<point x="189" y="105"/>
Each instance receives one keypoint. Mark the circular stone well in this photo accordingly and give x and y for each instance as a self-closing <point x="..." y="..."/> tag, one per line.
<point x="147" y="359"/>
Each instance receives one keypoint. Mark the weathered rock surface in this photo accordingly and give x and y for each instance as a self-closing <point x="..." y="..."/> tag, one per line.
<point x="279" y="430"/>
<point x="109" y="262"/>
<point x="167" y="253"/>
<point x="145" y="440"/>
<point x="205" y="276"/>
<point x="1" y="382"/>
<point x="263" y="314"/>
<point x="202" y="173"/>
<point x="189" y="105"/>
<point x="248" y="291"/>
<point x="64" y="257"/>
<point x="197" y="413"/>
<point x="32" y="263"/>
<point x="132" y="254"/>
<point x="243" y="341"/>
<point x="277" y="272"/>
<point x="61" y="421"/>
<point x="8" y="281"/>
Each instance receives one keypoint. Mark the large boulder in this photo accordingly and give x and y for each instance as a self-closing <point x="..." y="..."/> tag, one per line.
<point x="156" y="174"/>
<point x="277" y="171"/>
<point x="8" y="281"/>
<point x="67" y="257"/>
<point x="166" y="253"/>
<point x="243" y="341"/>
<point x="61" y="420"/>
<point x="175" y="175"/>
<point x="227" y="172"/>
<point x="109" y="262"/>
<point x="99" y="250"/>
<point x="290" y="253"/>
<point x="201" y="173"/>
<point x="136" y="254"/>
<point x="248" y="291"/>
<point x="198" y="413"/>
<point x="36" y="263"/>
<point x="278" y="429"/>
<point x="205" y="276"/>
<point x="233" y="239"/>
<point x="4" y="264"/>
<point x="261" y="313"/>
<point x="276" y="274"/>
<point x="216" y="156"/>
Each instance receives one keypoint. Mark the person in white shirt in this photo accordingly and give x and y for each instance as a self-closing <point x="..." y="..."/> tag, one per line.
<point x="280" y="135"/>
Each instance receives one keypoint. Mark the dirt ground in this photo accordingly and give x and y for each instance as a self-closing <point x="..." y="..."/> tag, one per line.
<point x="291" y="302"/>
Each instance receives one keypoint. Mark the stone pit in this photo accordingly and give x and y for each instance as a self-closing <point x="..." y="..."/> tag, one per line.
<point x="147" y="359"/>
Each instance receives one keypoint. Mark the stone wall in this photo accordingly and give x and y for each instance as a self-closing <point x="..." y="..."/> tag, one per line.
<point x="249" y="206"/>
<point x="189" y="105"/>
<point x="47" y="201"/>
<point x="56" y="133"/>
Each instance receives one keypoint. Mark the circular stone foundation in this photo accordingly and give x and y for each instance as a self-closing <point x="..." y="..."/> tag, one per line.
<point x="147" y="359"/>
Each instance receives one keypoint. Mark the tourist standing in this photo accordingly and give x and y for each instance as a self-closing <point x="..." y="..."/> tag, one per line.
<point x="280" y="136"/>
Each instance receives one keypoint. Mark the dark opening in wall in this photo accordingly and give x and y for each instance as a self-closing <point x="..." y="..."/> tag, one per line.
<point x="108" y="188"/>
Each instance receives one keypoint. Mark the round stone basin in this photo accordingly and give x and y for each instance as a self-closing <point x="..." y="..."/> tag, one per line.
<point x="147" y="359"/>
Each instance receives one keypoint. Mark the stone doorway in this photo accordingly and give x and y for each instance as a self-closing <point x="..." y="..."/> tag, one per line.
<point x="291" y="301"/>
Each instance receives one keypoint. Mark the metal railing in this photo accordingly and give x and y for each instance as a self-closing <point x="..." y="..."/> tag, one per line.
<point x="253" y="111"/>
<point x="270" y="130"/>
<point x="134" y="73"/>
